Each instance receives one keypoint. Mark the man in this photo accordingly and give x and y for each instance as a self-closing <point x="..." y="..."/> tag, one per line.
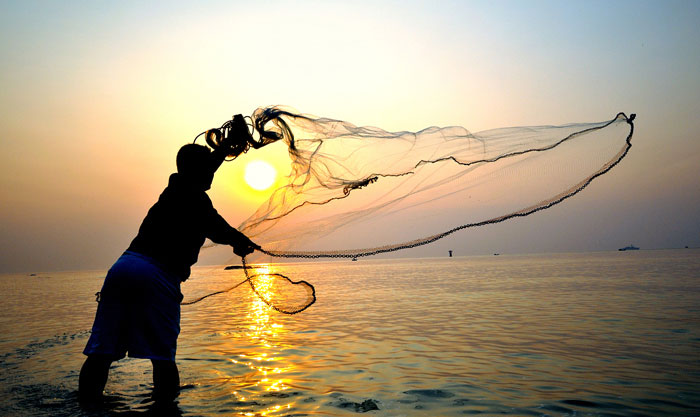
<point x="139" y="305"/>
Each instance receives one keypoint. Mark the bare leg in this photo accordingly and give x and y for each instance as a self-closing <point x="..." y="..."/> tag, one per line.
<point x="93" y="378"/>
<point x="166" y="380"/>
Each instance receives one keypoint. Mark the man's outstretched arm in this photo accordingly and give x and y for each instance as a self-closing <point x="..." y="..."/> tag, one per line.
<point x="221" y="232"/>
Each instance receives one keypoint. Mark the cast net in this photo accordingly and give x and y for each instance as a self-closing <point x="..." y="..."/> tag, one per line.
<point x="355" y="191"/>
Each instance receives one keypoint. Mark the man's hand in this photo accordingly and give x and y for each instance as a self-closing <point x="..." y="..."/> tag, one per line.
<point x="244" y="247"/>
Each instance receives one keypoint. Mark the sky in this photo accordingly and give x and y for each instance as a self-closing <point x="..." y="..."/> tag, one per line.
<point x="96" y="98"/>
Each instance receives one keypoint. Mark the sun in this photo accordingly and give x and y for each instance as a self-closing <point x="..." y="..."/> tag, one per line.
<point x="260" y="175"/>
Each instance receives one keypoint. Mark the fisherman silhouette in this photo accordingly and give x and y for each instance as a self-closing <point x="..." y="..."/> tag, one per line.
<point x="139" y="304"/>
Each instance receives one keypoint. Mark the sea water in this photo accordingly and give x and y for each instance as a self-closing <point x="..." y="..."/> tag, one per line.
<point x="610" y="333"/>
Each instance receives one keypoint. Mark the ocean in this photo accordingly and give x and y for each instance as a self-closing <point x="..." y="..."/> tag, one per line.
<point x="585" y="334"/>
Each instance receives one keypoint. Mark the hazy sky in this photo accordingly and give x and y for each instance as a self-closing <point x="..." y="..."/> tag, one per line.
<point x="96" y="98"/>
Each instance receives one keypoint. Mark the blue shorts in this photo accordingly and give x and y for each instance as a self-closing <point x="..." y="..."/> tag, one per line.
<point x="138" y="312"/>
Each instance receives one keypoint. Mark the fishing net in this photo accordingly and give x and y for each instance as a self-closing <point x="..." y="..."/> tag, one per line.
<point x="355" y="191"/>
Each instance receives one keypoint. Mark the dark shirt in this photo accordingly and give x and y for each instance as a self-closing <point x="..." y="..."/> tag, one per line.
<point x="176" y="226"/>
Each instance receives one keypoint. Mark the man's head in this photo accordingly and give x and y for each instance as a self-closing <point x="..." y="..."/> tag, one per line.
<point x="194" y="163"/>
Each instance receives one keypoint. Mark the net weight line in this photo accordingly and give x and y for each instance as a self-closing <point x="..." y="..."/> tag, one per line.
<point x="356" y="253"/>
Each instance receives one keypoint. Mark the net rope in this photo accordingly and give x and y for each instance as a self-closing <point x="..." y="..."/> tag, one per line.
<point x="266" y="296"/>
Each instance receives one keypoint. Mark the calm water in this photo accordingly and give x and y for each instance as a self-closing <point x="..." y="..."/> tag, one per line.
<point x="614" y="333"/>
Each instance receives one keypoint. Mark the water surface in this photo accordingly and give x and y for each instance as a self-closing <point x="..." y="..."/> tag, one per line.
<point x="613" y="333"/>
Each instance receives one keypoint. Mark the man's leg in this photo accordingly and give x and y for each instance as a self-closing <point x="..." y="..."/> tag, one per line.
<point x="166" y="380"/>
<point x="93" y="377"/>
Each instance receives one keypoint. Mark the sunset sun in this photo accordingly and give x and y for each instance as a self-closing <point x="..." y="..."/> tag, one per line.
<point x="260" y="175"/>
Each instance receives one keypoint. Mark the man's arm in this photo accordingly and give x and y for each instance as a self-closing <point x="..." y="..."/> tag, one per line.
<point x="218" y="156"/>
<point x="219" y="231"/>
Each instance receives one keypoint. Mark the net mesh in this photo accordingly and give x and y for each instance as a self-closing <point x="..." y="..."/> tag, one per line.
<point x="355" y="191"/>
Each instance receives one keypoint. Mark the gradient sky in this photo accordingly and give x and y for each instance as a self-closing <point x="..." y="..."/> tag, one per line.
<point x="96" y="98"/>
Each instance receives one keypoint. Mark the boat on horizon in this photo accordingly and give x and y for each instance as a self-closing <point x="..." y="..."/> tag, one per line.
<point x="630" y="247"/>
<point x="230" y="267"/>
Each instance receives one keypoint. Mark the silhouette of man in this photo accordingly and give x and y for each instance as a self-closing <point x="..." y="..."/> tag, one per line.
<point x="139" y="305"/>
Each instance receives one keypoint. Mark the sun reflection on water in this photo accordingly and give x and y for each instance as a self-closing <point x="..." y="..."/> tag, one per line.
<point x="266" y="361"/>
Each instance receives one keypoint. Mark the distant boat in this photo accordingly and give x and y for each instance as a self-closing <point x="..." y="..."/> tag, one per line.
<point x="230" y="267"/>
<point x="630" y="247"/>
